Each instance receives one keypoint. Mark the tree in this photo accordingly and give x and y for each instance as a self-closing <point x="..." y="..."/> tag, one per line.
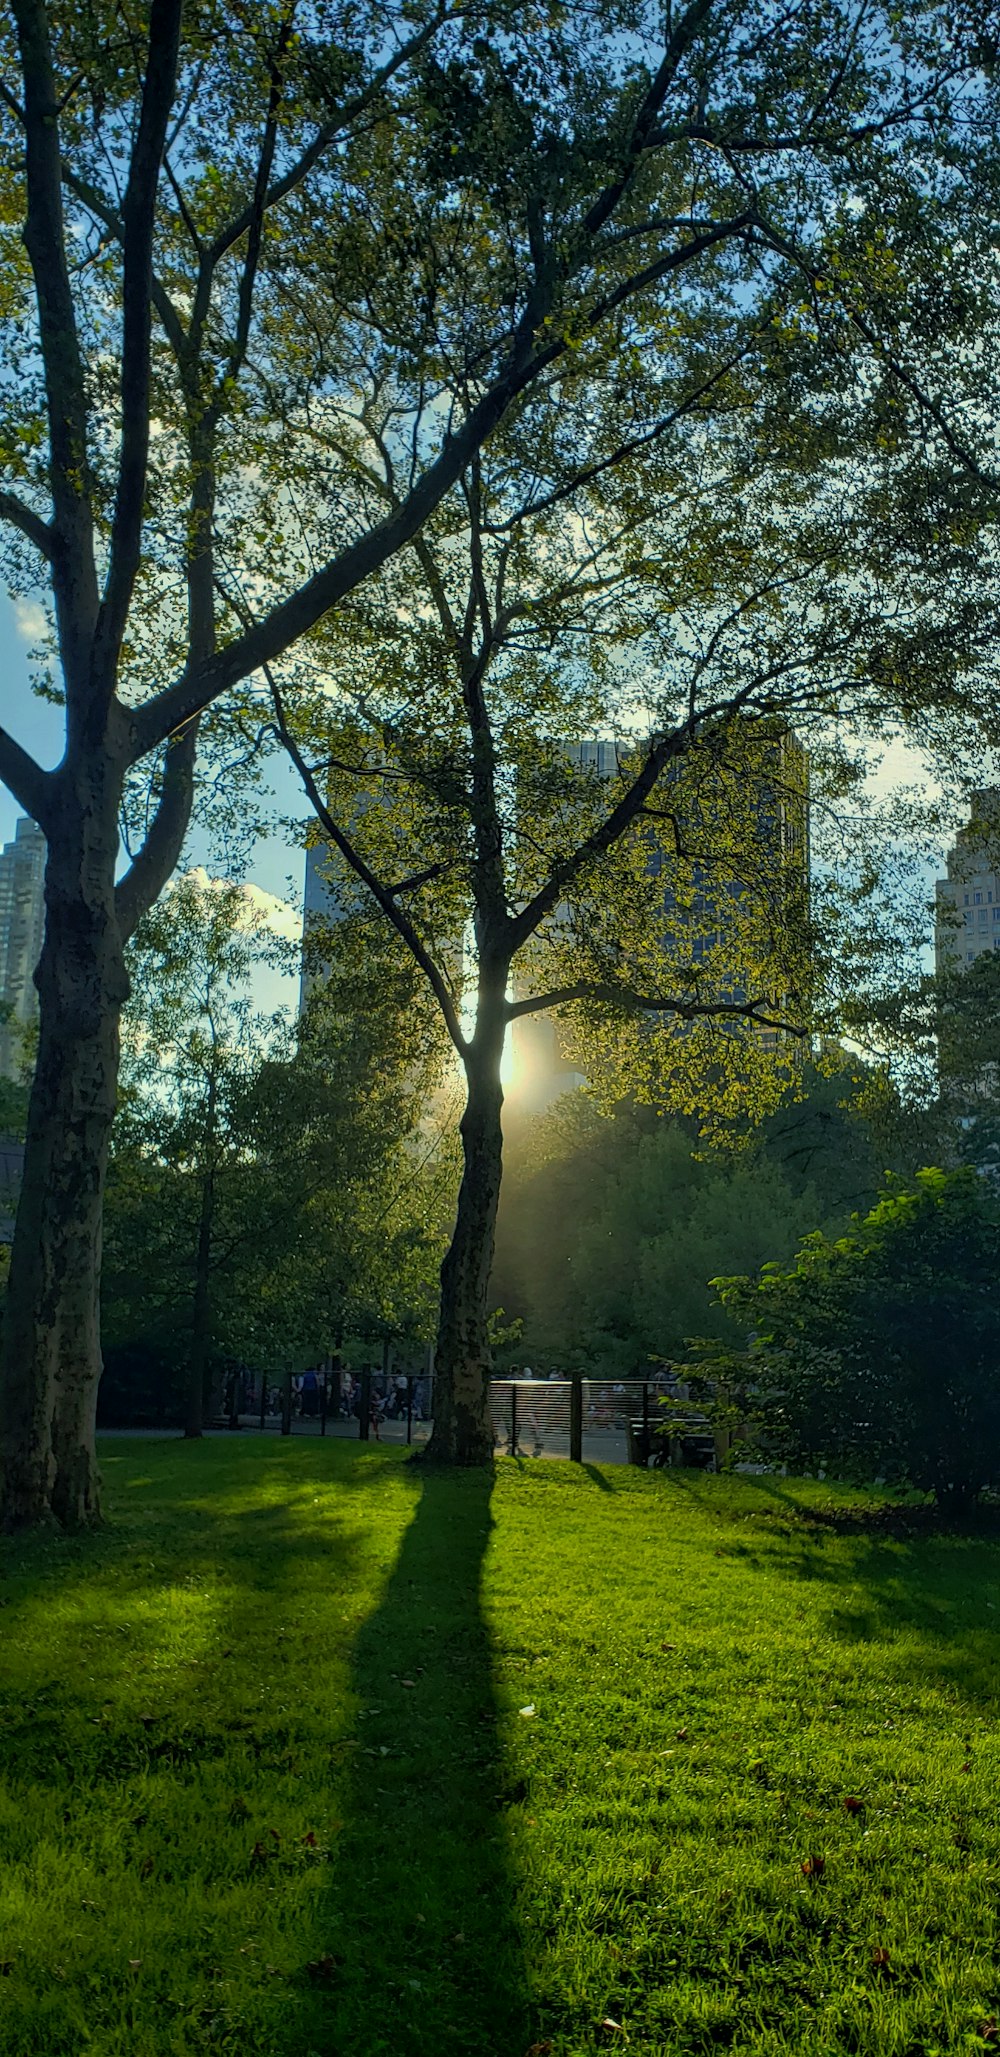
<point x="689" y="612"/>
<point x="230" y="236"/>
<point x="193" y="1051"/>
<point x="262" y="1202"/>
<point x="879" y="1352"/>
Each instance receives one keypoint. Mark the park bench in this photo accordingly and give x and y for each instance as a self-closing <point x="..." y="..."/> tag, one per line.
<point x="687" y="1441"/>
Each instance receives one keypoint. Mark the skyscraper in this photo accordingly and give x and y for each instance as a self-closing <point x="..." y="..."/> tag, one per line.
<point x="767" y="870"/>
<point x="22" y="921"/>
<point x="967" y="921"/>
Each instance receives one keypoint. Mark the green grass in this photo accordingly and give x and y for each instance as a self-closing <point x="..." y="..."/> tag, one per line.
<point x="266" y="1786"/>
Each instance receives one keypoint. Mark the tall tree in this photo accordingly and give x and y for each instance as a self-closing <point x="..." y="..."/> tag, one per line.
<point x="237" y="223"/>
<point x="689" y="613"/>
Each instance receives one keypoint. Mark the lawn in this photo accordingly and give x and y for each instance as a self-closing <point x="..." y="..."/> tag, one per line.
<point x="312" y="1752"/>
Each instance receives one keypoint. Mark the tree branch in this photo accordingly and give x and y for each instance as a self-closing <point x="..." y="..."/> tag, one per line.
<point x="33" y="788"/>
<point x="32" y="525"/>
<point x="382" y="895"/>
<point x="289" y="180"/>
<point x="624" y="450"/>
<point x="643" y="128"/>
<point x="74" y="566"/>
<point x="138" y="216"/>
<point x="294" y="617"/>
<point x="255" y="225"/>
<point x="660" y="1003"/>
<point x="152" y="865"/>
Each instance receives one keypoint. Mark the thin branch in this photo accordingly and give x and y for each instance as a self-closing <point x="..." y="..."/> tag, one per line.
<point x="138" y="217"/>
<point x="817" y="278"/>
<point x="643" y="127"/>
<point x="324" y="137"/>
<point x="381" y="894"/>
<point x="417" y="878"/>
<point x="255" y="227"/>
<point x="625" y="450"/>
<point x="23" y="517"/>
<point x="660" y="1003"/>
<point x="153" y="863"/>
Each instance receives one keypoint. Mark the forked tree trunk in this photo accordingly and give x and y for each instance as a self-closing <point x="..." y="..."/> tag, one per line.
<point x="463" y="1430"/>
<point x="52" y="1354"/>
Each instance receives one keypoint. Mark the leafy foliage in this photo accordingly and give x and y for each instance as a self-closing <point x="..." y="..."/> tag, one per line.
<point x="611" y="1226"/>
<point x="879" y="1351"/>
<point x="282" y="1197"/>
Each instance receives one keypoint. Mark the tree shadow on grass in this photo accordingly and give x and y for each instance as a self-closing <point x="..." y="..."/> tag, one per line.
<point x="308" y="1859"/>
<point x="931" y="1602"/>
<point x="891" y="1572"/>
<point x="424" y="1949"/>
<point x="597" y="1478"/>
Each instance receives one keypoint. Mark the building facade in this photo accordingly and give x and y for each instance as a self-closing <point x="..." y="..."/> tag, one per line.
<point x="22" y="923"/>
<point x="967" y="909"/>
<point x="775" y="858"/>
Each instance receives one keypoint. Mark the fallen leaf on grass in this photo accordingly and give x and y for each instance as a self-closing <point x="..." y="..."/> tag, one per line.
<point x="668" y="1646"/>
<point x="539" y="2050"/>
<point x="309" y="1839"/>
<point x="813" y="1867"/>
<point x="880" y="1960"/>
<point x="527" y="1712"/>
<point x="135" y="1963"/>
<point x="852" y="1805"/>
<point x="988" y="2031"/>
<point x="610" y="2022"/>
<point x="408" y="1682"/>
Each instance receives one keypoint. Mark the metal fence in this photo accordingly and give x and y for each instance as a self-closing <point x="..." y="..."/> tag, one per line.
<point x="620" y="1421"/>
<point x="624" y="1421"/>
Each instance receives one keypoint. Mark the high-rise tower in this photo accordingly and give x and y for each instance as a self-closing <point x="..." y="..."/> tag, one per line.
<point x="968" y="899"/>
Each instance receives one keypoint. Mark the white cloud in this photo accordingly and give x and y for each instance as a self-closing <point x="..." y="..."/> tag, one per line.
<point x="280" y="916"/>
<point x="30" y="619"/>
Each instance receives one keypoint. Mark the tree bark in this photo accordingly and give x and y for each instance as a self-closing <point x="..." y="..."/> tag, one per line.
<point x="463" y="1429"/>
<point x="52" y="1354"/>
<point x="201" y="1311"/>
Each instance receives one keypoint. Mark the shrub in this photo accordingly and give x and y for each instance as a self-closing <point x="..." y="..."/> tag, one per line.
<point x="878" y="1353"/>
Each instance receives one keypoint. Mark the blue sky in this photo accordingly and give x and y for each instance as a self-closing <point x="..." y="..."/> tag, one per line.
<point x="277" y="869"/>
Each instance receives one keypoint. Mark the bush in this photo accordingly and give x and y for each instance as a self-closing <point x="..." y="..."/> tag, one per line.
<point x="878" y="1353"/>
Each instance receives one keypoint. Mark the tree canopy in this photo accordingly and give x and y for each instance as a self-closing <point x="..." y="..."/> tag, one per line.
<point x="879" y="1351"/>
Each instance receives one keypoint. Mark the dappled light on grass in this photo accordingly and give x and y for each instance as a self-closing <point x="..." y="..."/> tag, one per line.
<point x="688" y="1864"/>
<point x="268" y="1785"/>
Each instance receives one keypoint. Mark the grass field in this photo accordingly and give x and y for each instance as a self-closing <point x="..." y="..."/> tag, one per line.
<point x="309" y="1752"/>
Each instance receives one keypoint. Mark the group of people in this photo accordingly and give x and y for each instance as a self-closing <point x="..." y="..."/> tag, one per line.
<point x="344" y="1391"/>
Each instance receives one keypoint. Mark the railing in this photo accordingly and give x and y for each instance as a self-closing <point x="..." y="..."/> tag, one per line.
<point x="615" y="1421"/>
<point x="611" y="1421"/>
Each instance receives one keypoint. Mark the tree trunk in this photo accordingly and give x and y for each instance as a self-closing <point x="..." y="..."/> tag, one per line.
<point x="463" y="1430"/>
<point x="201" y="1307"/>
<point x="52" y="1354"/>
